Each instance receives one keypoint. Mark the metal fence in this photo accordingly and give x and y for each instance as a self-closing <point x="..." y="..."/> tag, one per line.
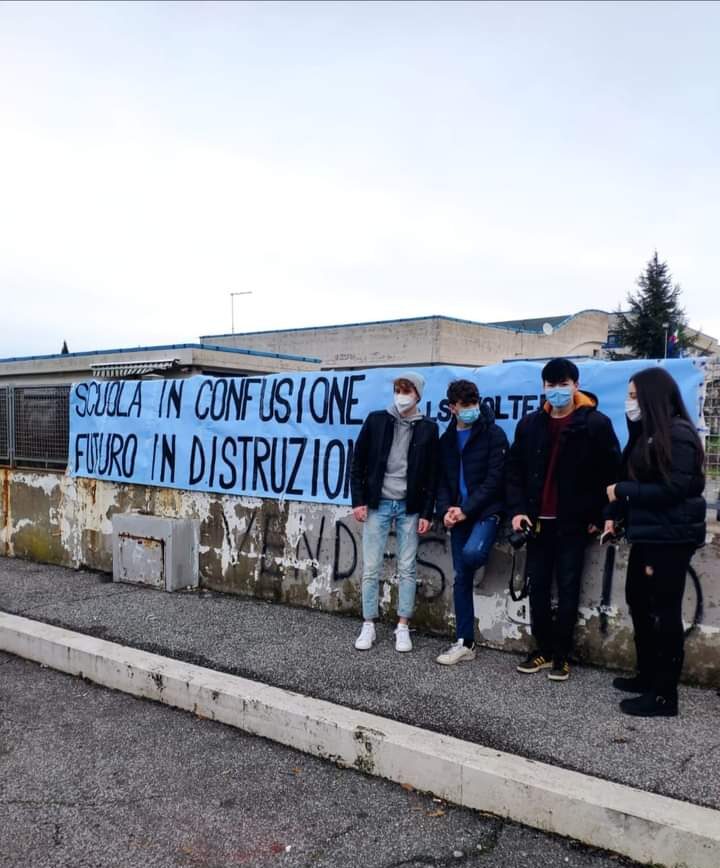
<point x="34" y="426"/>
<point x="712" y="422"/>
<point x="5" y="418"/>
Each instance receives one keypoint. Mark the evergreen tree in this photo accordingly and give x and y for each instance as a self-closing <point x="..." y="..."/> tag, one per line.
<point x="641" y="330"/>
<point x="64" y="351"/>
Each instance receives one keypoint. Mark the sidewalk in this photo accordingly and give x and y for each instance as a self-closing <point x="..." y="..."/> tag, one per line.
<point x="574" y="725"/>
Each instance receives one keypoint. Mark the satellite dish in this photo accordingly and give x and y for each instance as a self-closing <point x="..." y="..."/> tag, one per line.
<point x="547" y="328"/>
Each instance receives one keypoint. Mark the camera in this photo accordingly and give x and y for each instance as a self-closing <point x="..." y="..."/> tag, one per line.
<point x="518" y="538"/>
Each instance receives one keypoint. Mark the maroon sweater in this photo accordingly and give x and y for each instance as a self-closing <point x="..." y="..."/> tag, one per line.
<point x="549" y="502"/>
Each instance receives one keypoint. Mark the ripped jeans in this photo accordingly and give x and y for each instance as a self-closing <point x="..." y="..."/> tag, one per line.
<point x="375" y="535"/>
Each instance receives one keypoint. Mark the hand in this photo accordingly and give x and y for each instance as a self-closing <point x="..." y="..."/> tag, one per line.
<point x="459" y="515"/>
<point x="520" y="522"/>
<point x="360" y="513"/>
<point x="593" y="528"/>
<point x="608" y="531"/>
<point x="424" y="526"/>
<point x="611" y="496"/>
<point x="448" y="519"/>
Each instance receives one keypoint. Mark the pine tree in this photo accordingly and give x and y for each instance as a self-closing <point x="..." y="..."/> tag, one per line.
<point x="64" y="351"/>
<point x="654" y="317"/>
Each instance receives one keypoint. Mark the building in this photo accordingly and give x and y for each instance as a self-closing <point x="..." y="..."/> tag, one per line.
<point x="34" y="390"/>
<point x="435" y="340"/>
<point x="170" y="361"/>
<point x="442" y="340"/>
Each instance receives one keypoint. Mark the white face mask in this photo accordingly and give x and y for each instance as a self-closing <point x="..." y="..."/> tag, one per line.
<point x="632" y="410"/>
<point x="404" y="402"/>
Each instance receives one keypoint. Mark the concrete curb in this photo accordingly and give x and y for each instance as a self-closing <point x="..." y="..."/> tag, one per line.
<point x="642" y="826"/>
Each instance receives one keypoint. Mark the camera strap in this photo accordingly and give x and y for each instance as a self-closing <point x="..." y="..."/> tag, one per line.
<point x="607" y="583"/>
<point x="516" y="596"/>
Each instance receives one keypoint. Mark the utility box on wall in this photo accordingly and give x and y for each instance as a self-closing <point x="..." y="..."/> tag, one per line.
<point x="155" y="551"/>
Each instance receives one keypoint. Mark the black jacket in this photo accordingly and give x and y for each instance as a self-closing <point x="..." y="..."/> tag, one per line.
<point x="370" y="456"/>
<point x="588" y="461"/>
<point x="483" y="461"/>
<point x="664" y="511"/>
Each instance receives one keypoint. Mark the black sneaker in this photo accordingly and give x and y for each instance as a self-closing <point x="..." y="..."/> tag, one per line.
<point x="534" y="663"/>
<point x="636" y="684"/>
<point x="560" y="671"/>
<point x="649" y="705"/>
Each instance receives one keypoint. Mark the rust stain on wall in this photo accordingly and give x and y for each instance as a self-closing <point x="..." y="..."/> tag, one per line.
<point x="37" y="538"/>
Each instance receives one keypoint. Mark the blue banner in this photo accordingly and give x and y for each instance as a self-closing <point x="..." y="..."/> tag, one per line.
<point x="291" y="436"/>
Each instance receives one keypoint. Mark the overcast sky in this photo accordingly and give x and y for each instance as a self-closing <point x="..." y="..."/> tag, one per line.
<point x="347" y="162"/>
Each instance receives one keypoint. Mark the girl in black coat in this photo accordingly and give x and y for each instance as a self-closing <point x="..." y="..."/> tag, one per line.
<point x="660" y="500"/>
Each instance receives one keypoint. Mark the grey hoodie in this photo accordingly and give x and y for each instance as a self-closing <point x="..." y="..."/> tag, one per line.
<point x="394" y="485"/>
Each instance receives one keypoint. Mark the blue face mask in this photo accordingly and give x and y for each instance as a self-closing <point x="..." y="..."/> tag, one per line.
<point x="559" y="396"/>
<point x="469" y="415"/>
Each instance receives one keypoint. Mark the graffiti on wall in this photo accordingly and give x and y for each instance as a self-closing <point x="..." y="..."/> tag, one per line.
<point x="334" y="544"/>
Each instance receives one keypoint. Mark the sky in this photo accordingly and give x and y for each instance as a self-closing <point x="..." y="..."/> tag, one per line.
<point x="348" y="162"/>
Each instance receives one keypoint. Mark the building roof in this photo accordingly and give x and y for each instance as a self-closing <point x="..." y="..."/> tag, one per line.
<point x="127" y="350"/>
<point x="532" y="325"/>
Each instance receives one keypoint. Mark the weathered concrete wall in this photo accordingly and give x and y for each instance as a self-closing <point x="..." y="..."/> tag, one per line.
<point x="428" y="341"/>
<point x="411" y="342"/>
<point x="310" y="555"/>
<point x="582" y="334"/>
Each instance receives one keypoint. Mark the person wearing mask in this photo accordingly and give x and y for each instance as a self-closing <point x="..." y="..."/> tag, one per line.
<point x="393" y="479"/>
<point x="470" y="500"/>
<point x="660" y="500"/>
<point x="562" y="459"/>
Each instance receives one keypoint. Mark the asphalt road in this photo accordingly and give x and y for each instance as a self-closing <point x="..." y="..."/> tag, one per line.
<point x="91" y="778"/>
<point x="575" y="724"/>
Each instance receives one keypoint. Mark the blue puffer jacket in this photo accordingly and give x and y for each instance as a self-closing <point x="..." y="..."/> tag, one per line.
<point x="483" y="461"/>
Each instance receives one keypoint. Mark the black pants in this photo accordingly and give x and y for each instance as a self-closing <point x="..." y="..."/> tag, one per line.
<point x="654" y="592"/>
<point x="562" y="555"/>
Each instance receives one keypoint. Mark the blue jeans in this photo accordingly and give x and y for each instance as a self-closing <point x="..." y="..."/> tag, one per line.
<point x="377" y="528"/>
<point x="471" y="544"/>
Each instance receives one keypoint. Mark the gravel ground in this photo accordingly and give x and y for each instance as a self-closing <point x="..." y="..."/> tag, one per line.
<point x="93" y="778"/>
<point x="575" y="724"/>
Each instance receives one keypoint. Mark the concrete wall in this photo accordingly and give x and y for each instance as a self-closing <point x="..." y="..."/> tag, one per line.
<point x="433" y="340"/>
<point x="412" y="342"/>
<point x="310" y="555"/>
<point x="487" y="345"/>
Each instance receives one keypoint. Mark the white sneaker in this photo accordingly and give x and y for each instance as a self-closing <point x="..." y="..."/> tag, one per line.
<point x="456" y="654"/>
<point x="364" y="641"/>
<point x="402" y="638"/>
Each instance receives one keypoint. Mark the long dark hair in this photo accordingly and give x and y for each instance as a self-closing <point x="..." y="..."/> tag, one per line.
<point x="660" y="402"/>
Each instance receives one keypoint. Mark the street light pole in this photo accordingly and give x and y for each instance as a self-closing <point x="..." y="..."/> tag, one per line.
<point x="666" y="326"/>
<point x="232" y="307"/>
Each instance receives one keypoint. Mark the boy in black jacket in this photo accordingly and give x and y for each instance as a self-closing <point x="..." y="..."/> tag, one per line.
<point x="563" y="458"/>
<point x="393" y="478"/>
<point x="470" y="501"/>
